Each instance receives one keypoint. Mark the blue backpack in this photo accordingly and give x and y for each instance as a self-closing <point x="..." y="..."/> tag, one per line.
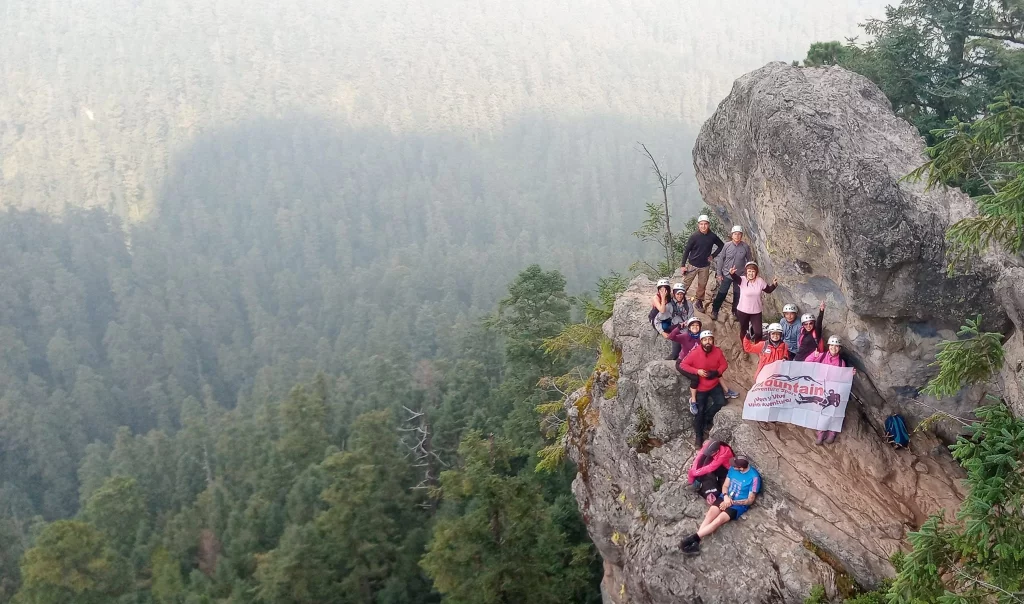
<point x="896" y="431"/>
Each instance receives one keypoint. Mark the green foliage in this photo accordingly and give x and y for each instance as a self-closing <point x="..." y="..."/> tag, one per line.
<point x="495" y="540"/>
<point x="71" y="562"/>
<point x="640" y="433"/>
<point x="654" y="230"/>
<point x="117" y="509"/>
<point x="980" y="558"/>
<point x="936" y="59"/>
<point x="972" y="358"/>
<point x="986" y="159"/>
<point x="817" y="595"/>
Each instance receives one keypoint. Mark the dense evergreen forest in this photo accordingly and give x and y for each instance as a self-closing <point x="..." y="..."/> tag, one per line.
<point x="255" y="251"/>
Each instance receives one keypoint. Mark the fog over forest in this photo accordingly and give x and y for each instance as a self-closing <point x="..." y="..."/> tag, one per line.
<point x="211" y="202"/>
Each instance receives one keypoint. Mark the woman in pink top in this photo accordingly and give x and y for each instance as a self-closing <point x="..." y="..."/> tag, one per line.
<point x="748" y="309"/>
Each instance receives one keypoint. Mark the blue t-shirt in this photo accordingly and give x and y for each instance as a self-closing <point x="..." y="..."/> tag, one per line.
<point x="741" y="484"/>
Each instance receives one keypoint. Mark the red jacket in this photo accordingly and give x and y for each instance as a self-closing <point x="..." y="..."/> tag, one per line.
<point x="720" y="459"/>
<point x="708" y="361"/>
<point x="767" y="352"/>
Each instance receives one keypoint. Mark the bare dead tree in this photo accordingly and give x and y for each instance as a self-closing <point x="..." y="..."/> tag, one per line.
<point x="665" y="180"/>
<point x="417" y="438"/>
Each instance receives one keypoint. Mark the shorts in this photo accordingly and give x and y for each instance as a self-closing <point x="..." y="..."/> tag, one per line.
<point x="734" y="511"/>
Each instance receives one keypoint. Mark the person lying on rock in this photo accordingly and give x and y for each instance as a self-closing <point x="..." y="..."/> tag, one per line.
<point x="771" y="350"/>
<point x="698" y="256"/>
<point x="829" y="357"/>
<point x="742" y="484"/>
<point x="748" y="307"/>
<point x="735" y="255"/>
<point x="687" y="338"/>
<point x="790" y="328"/>
<point x="709" y="468"/>
<point x="708" y="363"/>
<point x="810" y="340"/>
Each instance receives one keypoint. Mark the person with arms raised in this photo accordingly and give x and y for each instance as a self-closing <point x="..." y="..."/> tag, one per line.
<point x="748" y="307"/>
<point x="735" y="255"/>
<point x="810" y="341"/>
<point x="701" y="250"/>
<point x="771" y="350"/>
<point x="830" y="356"/>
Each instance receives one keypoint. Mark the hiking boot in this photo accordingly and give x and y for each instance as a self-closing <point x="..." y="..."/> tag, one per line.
<point x="732" y="394"/>
<point x="821" y="438"/>
<point x="688" y="541"/>
<point x="693" y="407"/>
<point x="693" y="549"/>
<point x="714" y="315"/>
<point x="670" y="358"/>
<point x="699" y="305"/>
<point x="831" y="438"/>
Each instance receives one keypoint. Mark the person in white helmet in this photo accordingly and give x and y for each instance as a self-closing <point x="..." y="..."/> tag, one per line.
<point x="830" y="356"/>
<point x="701" y="250"/>
<point x="661" y="313"/>
<point x="735" y="255"/>
<point x="748" y="306"/>
<point x="790" y="328"/>
<point x="771" y="350"/>
<point x="708" y="362"/>
<point x="810" y="339"/>
<point x="680" y="311"/>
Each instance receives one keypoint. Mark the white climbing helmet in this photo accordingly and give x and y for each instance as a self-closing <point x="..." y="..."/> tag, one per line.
<point x="835" y="341"/>
<point x="751" y="263"/>
<point x="663" y="283"/>
<point x="807" y="318"/>
<point x="737" y="229"/>
<point x="775" y="328"/>
<point x="678" y="287"/>
<point x="789" y="308"/>
<point x="693" y="320"/>
<point x="703" y="218"/>
<point x="707" y="334"/>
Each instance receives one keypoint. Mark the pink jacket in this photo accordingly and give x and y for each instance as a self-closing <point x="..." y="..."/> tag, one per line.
<point x="826" y="358"/>
<point x="722" y="458"/>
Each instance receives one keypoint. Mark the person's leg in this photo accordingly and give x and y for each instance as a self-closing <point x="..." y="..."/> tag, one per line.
<point x="757" y="325"/>
<point x="715" y="524"/>
<point x="712" y="514"/>
<point x="688" y="277"/>
<point x="702" y="284"/>
<point x="744" y="320"/>
<point x="830" y="436"/>
<point x="715" y="401"/>
<point x="820" y="437"/>
<point x="735" y="294"/>
<point x="694" y="382"/>
<point x="698" y="418"/>
<point x="676" y="348"/>
<point x="723" y="291"/>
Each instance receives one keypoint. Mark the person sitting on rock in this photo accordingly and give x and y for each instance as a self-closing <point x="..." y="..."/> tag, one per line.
<point x="742" y="484"/>
<point x="698" y="256"/>
<point x="709" y="468"/>
<point x="687" y="339"/>
<point x="771" y="350"/>
<point x="829" y="357"/>
<point x="810" y="340"/>
<point x="735" y="255"/>
<point x="790" y="328"/>
<point x="748" y="306"/>
<point x="708" y="362"/>
<point x="662" y="314"/>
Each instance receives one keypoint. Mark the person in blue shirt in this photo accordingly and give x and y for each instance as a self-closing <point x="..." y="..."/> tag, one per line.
<point x="740" y="489"/>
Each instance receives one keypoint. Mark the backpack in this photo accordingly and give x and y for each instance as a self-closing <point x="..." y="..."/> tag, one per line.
<point x="896" y="431"/>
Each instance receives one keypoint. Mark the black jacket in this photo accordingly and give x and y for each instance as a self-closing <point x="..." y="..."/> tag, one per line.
<point x="698" y="248"/>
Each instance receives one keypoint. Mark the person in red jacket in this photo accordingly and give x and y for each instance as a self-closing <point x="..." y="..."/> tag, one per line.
<point x="708" y="362"/>
<point x="771" y="350"/>
<point x="688" y="338"/>
<point x="709" y="468"/>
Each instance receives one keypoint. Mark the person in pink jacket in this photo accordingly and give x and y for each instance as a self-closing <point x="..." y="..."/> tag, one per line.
<point x="748" y="309"/>
<point x="709" y="468"/>
<point x="829" y="356"/>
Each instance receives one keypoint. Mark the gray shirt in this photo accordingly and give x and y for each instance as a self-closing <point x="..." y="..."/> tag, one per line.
<point x="733" y="255"/>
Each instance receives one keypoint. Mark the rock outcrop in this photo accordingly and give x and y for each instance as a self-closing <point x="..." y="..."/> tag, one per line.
<point x="811" y="162"/>
<point x="829" y="515"/>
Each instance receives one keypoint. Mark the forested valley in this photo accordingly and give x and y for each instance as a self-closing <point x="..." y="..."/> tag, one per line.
<point x="254" y="253"/>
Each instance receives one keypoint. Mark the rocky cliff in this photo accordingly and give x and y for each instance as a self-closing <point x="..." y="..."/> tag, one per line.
<point x="810" y="161"/>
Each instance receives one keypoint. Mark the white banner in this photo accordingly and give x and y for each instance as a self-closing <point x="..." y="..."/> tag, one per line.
<point x="812" y="395"/>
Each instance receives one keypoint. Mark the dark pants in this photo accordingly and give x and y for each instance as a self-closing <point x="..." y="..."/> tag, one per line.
<point x="711" y="483"/>
<point x="748" y="321"/>
<point x="693" y="377"/>
<point x="708" y="404"/>
<point x="723" y="291"/>
<point x="676" y="349"/>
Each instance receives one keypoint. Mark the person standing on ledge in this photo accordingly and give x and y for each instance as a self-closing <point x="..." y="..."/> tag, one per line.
<point x="735" y="255"/>
<point x="701" y="250"/>
<point x="708" y="363"/>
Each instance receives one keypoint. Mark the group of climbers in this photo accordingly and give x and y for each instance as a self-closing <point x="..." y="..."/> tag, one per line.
<point x="728" y="482"/>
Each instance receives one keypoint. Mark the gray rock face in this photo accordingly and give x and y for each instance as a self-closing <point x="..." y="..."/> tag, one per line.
<point x="811" y="162"/>
<point x="844" y="507"/>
